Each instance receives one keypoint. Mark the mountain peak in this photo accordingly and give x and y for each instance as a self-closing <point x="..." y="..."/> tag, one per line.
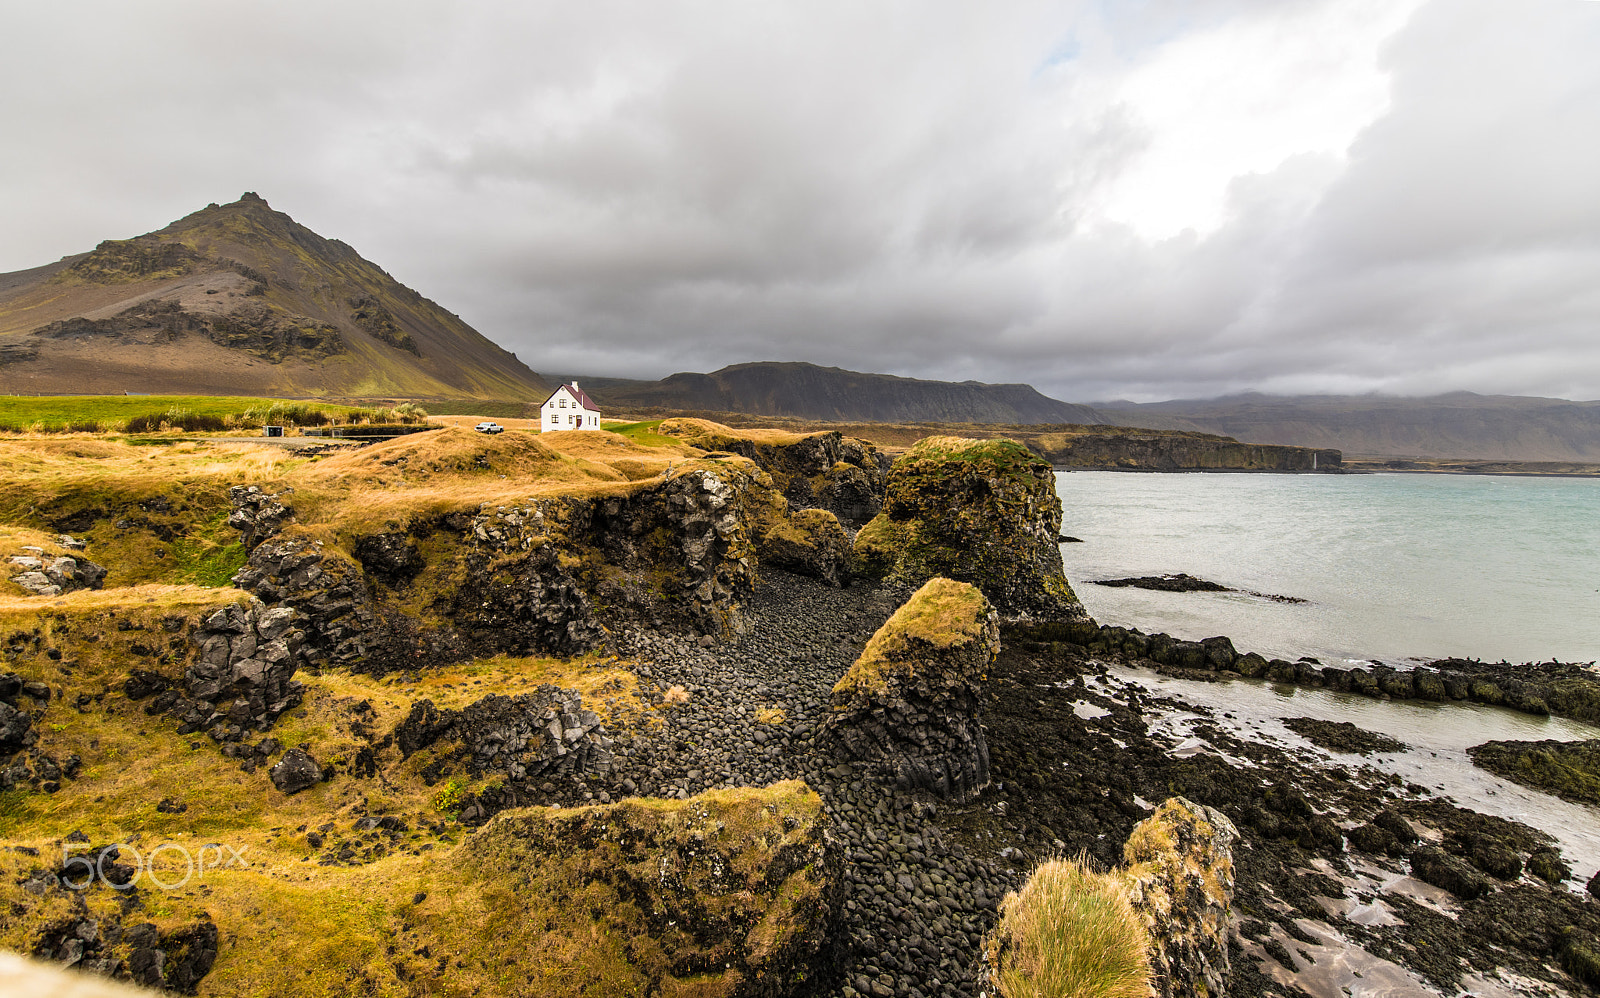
<point x="240" y="298"/>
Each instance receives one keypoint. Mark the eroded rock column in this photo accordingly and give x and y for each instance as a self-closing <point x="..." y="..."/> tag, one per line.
<point x="910" y="705"/>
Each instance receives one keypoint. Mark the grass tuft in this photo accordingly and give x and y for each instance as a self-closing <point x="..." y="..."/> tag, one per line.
<point x="1069" y="933"/>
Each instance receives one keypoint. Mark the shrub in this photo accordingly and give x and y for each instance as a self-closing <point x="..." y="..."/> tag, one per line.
<point x="1069" y="933"/>
<point x="83" y="426"/>
<point x="450" y="798"/>
<point x="176" y="419"/>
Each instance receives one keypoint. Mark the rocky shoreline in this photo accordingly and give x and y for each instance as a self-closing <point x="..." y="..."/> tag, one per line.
<point x="921" y="877"/>
<point x="937" y="711"/>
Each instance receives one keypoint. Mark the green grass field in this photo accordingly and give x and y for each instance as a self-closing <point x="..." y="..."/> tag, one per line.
<point x="643" y="433"/>
<point x="54" y="413"/>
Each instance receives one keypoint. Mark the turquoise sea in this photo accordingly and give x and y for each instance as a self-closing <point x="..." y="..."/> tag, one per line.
<point x="1393" y="567"/>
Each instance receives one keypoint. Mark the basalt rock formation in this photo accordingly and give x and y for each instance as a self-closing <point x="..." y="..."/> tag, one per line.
<point x="1566" y="689"/>
<point x="910" y="706"/>
<point x="548" y="576"/>
<point x="530" y="736"/>
<point x="1180" y="880"/>
<point x="810" y="542"/>
<point x="828" y="470"/>
<point x="239" y="680"/>
<point x="979" y="511"/>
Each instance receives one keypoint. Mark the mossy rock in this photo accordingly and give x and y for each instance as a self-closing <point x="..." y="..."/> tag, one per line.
<point x="1570" y="770"/>
<point x="941" y="617"/>
<point x="978" y="511"/>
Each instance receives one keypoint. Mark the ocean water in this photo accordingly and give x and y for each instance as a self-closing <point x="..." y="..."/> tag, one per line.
<point x="1393" y="567"/>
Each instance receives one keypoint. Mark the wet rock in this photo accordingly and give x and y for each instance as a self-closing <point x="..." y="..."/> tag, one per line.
<point x="978" y="511"/>
<point x="910" y="706"/>
<point x="1547" y="865"/>
<point x="1433" y="865"/>
<point x="1342" y="736"/>
<point x="1180" y="881"/>
<point x="1179" y="583"/>
<point x="1570" y="770"/>
<point x="295" y="772"/>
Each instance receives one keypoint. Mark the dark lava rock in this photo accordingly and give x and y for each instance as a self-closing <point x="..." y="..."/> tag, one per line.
<point x="392" y="557"/>
<point x="978" y="511"/>
<point x="1342" y="736"/>
<point x="295" y="772"/>
<point x="14" y="725"/>
<point x="910" y="705"/>
<point x="1433" y="865"/>
<point x="810" y="542"/>
<point x="1179" y="583"/>
<point x="258" y="515"/>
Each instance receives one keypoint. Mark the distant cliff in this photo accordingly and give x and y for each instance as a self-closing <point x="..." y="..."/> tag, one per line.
<point x="806" y="391"/>
<point x="1156" y="450"/>
<point x="1457" y="426"/>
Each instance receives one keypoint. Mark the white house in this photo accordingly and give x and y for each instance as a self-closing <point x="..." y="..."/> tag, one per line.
<point x="569" y="408"/>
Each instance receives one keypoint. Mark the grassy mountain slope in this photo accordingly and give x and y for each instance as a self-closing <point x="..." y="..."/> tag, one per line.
<point x="806" y="391"/>
<point x="1459" y="425"/>
<point x="240" y="299"/>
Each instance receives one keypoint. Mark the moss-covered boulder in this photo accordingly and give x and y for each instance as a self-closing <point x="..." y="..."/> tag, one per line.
<point x="909" y="707"/>
<point x="1180" y="881"/>
<point x="978" y="511"/>
<point x="810" y="542"/>
<point x="727" y="893"/>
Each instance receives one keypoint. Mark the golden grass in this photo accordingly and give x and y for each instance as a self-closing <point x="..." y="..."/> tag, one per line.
<point x="1069" y="933"/>
<point x="940" y="614"/>
<point x="163" y="599"/>
<point x="706" y="435"/>
<point x="424" y="475"/>
<point x="497" y="915"/>
<point x="606" y="447"/>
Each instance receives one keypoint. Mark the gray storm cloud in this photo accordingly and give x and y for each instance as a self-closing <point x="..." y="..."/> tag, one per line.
<point x="1103" y="199"/>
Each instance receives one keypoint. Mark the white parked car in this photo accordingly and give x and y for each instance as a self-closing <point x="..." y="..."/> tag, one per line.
<point x="487" y="427"/>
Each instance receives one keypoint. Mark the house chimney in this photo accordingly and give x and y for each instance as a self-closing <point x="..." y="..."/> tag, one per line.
<point x="574" y="386"/>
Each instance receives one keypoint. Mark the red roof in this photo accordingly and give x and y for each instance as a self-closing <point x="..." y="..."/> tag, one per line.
<point x="584" y="401"/>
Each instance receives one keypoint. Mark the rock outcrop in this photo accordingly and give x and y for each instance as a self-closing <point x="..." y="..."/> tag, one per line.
<point x="295" y="772"/>
<point x="258" y="515"/>
<point x="732" y="888"/>
<point x="529" y="736"/>
<point x="1566" y="689"/>
<point x="550" y="576"/>
<point x="810" y="542"/>
<point x="979" y="511"/>
<point x="302" y="572"/>
<point x="240" y="680"/>
<point x="828" y="470"/>
<point x="86" y="951"/>
<point x="910" y="706"/>
<point x="1180" y="881"/>
<point x="44" y="574"/>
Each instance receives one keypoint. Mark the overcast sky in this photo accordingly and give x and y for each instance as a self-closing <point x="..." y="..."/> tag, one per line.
<point x="1143" y="199"/>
